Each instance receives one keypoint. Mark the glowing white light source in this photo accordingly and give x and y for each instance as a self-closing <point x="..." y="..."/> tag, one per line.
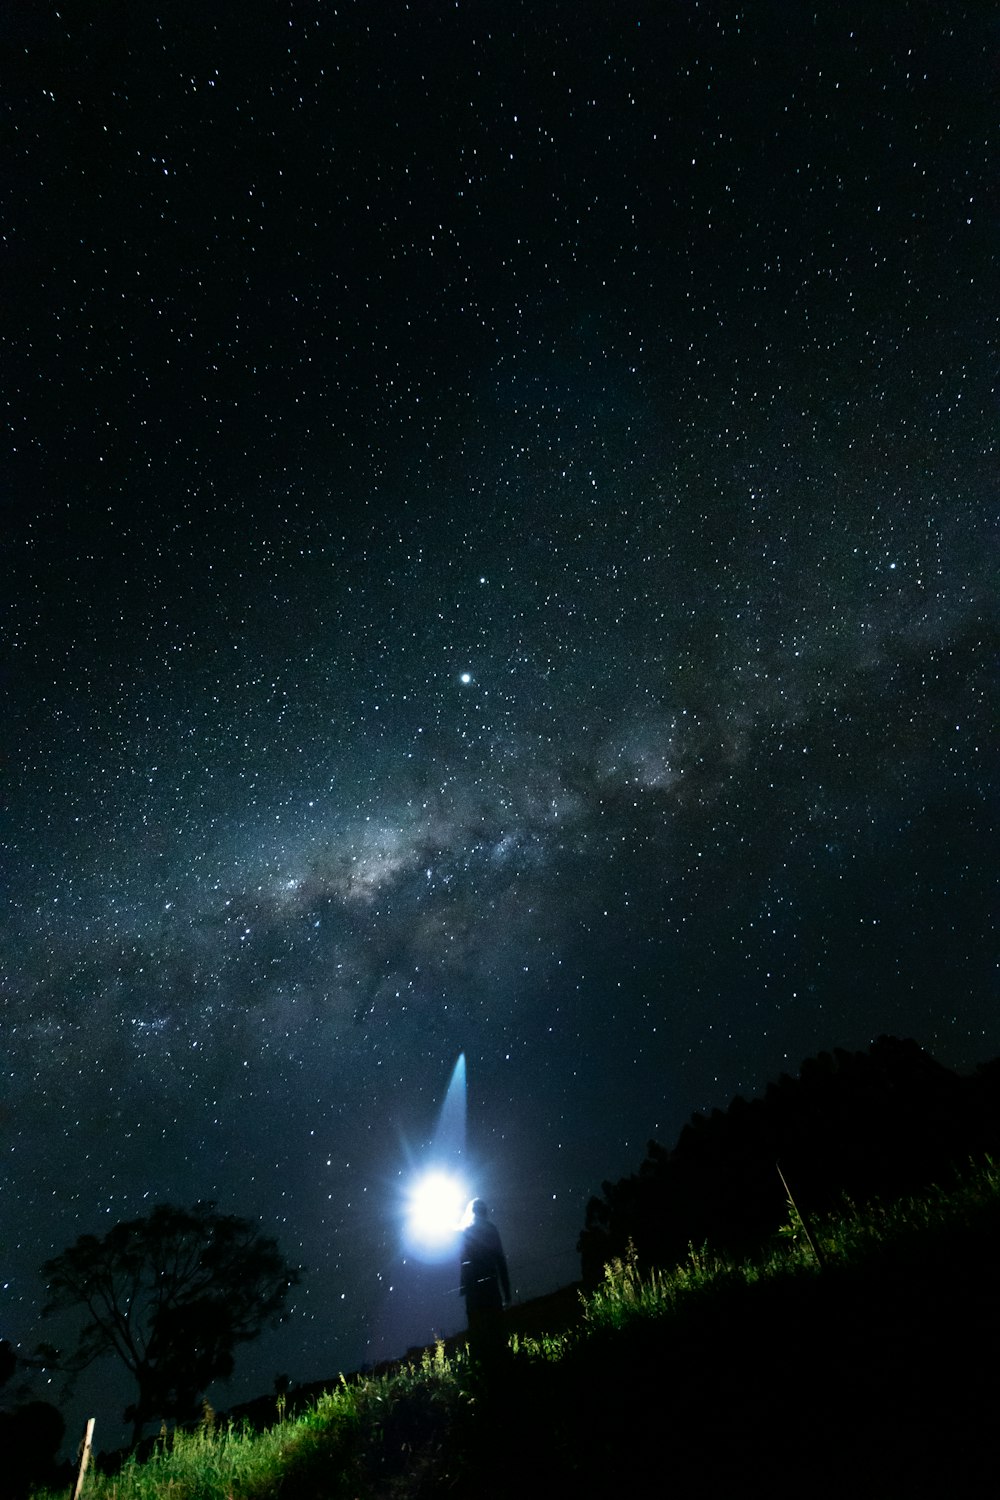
<point x="434" y="1197"/>
<point x="435" y="1204"/>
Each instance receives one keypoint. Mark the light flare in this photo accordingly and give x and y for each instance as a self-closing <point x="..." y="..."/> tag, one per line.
<point x="435" y="1207"/>
<point x="435" y="1201"/>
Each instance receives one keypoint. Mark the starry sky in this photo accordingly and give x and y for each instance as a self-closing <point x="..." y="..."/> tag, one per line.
<point x="499" y="504"/>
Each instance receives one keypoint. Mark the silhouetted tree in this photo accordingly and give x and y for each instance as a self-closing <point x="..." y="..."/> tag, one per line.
<point x="171" y="1295"/>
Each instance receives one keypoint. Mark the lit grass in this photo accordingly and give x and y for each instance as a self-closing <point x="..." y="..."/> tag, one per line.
<point x="844" y="1239"/>
<point x="355" y="1434"/>
<point x="228" y="1462"/>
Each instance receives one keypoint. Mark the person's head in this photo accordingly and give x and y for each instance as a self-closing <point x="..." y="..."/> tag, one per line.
<point x="478" y="1209"/>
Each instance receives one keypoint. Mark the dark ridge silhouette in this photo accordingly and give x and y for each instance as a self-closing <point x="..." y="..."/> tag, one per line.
<point x="879" y="1123"/>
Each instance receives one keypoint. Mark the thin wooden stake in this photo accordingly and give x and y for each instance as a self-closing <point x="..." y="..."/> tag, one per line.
<point x="88" y="1439"/>
<point x="801" y="1218"/>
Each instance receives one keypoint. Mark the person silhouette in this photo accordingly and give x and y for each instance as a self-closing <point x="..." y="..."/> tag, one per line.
<point x="485" y="1282"/>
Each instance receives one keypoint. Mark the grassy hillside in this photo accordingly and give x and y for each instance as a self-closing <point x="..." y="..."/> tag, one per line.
<point x="875" y="1372"/>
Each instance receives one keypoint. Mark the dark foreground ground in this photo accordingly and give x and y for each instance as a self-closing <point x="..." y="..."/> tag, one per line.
<point x="875" y="1382"/>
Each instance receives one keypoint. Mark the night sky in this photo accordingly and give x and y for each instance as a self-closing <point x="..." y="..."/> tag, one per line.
<point x="499" y="502"/>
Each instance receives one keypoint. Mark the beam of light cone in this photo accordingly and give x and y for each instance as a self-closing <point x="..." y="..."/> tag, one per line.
<point x="449" y="1136"/>
<point x="436" y="1198"/>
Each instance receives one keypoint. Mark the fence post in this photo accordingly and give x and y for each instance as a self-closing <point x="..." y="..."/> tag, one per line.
<point x="85" y="1447"/>
<point x="801" y="1218"/>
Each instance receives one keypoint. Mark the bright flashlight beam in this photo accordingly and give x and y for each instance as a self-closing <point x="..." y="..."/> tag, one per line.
<point x="434" y="1212"/>
<point x="435" y="1199"/>
<point x="449" y="1137"/>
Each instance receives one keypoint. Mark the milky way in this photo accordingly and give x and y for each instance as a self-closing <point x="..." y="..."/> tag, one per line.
<point x="499" y="560"/>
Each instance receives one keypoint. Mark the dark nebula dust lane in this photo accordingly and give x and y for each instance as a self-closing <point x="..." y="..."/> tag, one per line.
<point x="498" y="559"/>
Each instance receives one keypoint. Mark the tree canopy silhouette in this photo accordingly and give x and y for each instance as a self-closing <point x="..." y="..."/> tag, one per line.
<point x="171" y="1295"/>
